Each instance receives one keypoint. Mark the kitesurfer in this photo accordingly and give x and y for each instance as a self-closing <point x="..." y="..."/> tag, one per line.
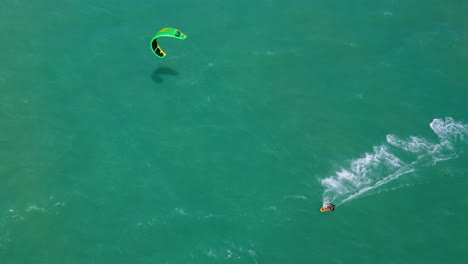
<point x="328" y="206"/>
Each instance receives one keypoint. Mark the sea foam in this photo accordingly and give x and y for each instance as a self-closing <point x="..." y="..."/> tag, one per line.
<point x="383" y="165"/>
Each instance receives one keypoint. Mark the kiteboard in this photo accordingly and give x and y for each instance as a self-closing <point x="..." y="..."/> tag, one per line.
<point x="326" y="205"/>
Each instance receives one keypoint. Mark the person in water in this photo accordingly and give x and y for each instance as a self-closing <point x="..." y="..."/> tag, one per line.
<point x="329" y="206"/>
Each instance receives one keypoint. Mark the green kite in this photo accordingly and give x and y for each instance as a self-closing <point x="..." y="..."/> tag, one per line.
<point x="165" y="32"/>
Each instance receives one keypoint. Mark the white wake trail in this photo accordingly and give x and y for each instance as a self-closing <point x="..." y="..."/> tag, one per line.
<point x="383" y="166"/>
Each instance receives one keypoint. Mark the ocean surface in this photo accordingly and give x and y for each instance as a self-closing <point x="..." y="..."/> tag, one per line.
<point x="225" y="150"/>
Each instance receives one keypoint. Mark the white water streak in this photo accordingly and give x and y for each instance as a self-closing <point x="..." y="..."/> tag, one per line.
<point x="383" y="166"/>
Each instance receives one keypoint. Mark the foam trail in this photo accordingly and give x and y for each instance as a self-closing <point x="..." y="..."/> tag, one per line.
<point x="383" y="166"/>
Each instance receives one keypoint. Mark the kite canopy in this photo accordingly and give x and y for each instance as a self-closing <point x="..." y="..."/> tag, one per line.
<point x="165" y="32"/>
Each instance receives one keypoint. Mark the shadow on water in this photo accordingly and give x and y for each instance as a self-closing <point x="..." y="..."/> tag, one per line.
<point x="160" y="72"/>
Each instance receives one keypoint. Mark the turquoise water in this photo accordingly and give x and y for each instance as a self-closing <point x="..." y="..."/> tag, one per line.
<point x="224" y="151"/>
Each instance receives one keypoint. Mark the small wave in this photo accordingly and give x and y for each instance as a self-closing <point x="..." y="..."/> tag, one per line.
<point x="228" y="250"/>
<point x="24" y="214"/>
<point x="383" y="166"/>
<point x="35" y="208"/>
<point x="180" y="211"/>
<point x="302" y="197"/>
